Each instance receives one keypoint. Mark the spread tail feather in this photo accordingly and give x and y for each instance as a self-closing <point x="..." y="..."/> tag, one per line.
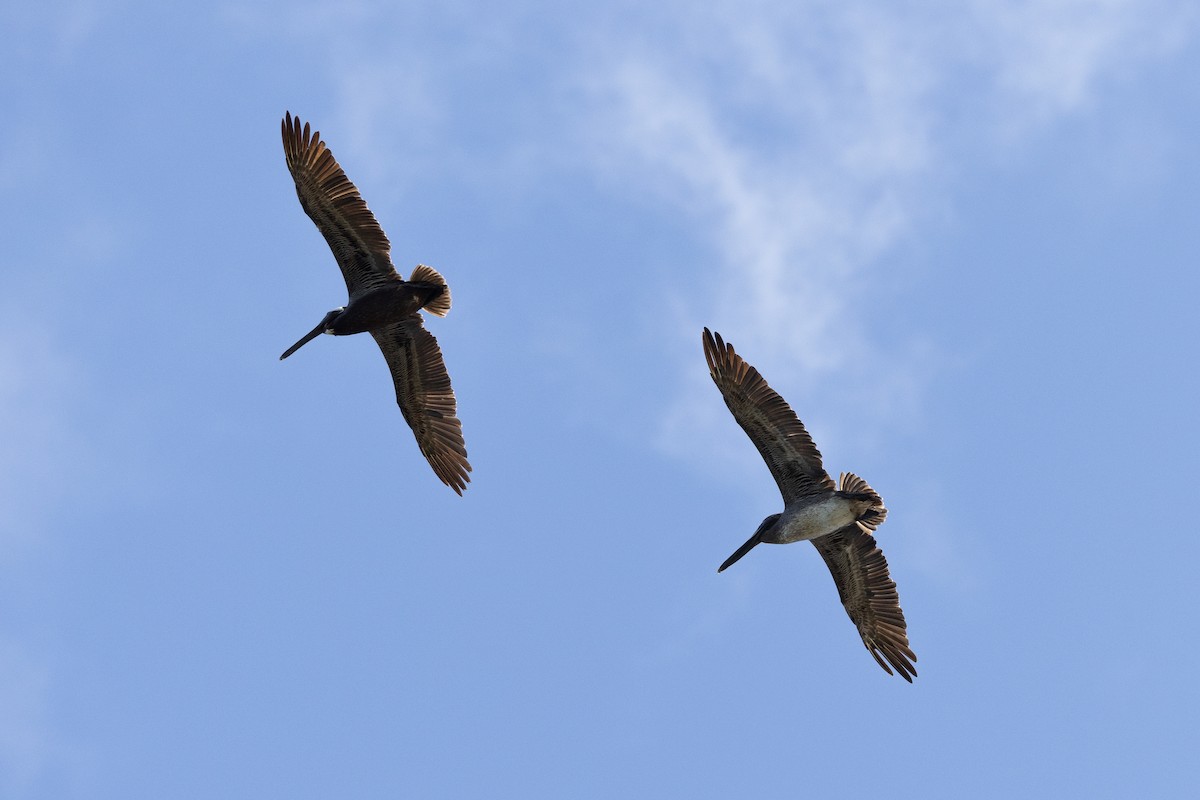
<point x="852" y="484"/>
<point x="440" y="305"/>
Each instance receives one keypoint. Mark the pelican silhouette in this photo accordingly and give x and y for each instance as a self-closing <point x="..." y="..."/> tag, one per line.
<point x="381" y="302"/>
<point x="838" y="521"/>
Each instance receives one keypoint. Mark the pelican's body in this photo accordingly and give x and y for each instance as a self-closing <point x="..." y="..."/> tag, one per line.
<point x="384" y="306"/>
<point x="803" y="521"/>
<point x="838" y="519"/>
<point x="381" y="302"/>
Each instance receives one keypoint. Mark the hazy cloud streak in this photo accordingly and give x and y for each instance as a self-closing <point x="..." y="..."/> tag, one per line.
<point x="807" y="144"/>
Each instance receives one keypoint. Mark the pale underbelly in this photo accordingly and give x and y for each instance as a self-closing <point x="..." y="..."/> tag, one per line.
<point x="815" y="520"/>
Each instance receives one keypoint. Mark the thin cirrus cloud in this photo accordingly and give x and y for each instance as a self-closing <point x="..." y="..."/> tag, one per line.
<point x="816" y="141"/>
<point x="1049" y="57"/>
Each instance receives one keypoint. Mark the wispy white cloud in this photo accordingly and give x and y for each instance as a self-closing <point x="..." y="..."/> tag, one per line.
<point x="784" y="224"/>
<point x="1050" y="57"/>
<point x="807" y="143"/>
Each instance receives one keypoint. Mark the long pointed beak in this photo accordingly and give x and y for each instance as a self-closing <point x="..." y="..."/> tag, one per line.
<point x="741" y="551"/>
<point x="308" y="337"/>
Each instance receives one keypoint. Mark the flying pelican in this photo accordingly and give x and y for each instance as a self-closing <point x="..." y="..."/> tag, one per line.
<point x="838" y="521"/>
<point x="381" y="302"/>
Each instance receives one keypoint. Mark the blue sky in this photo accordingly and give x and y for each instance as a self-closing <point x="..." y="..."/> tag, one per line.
<point x="959" y="238"/>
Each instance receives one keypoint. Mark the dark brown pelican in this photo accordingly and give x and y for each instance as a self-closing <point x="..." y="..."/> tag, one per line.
<point x="381" y="302"/>
<point x="838" y="521"/>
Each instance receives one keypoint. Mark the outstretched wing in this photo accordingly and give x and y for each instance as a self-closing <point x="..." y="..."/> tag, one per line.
<point x="341" y="215"/>
<point x="426" y="398"/>
<point x="869" y="595"/>
<point x="768" y="420"/>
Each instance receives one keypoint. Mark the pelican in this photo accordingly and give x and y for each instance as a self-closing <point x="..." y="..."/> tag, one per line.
<point x="381" y="302"/>
<point x="838" y="521"/>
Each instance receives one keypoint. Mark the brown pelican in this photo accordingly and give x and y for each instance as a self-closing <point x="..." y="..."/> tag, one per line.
<point x="381" y="302"/>
<point x="838" y="521"/>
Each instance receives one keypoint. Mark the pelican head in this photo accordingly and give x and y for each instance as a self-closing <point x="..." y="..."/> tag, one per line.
<point x="323" y="327"/>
